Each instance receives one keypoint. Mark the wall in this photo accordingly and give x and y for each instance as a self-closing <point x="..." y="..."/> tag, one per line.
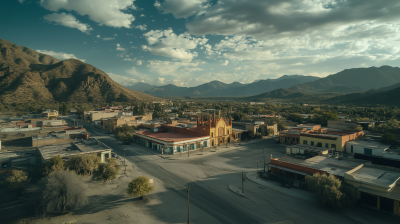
<point x="296" y="167"/>
<point x="4" y="130"/>
<point x="336" y="141"/>
<point x="98" y="116"/>
<point x="360" y="149"/>
<point x="52" y="141"/>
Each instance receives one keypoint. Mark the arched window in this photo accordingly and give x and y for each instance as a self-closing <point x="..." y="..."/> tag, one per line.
<point x="212" y="134"/>
<point x="228" y="131"/>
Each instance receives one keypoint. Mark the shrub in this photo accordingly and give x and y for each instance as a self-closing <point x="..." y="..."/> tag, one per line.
<point x="139" y="186"/>
<point x="109" y="170"/>
<point x="64" y="191"/>
<point x="17" y="180"/>
<point x="388" y="138"/>
<point x="328" y="190"/>
<point x="54" y="164"/>
<point x="84" y="164"/>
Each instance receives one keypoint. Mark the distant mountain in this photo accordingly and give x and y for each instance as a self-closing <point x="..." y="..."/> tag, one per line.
<point x="141" y="86"/>
<point x="353" y="80"/>
<point x="27" y="76"/>
<point x="372" y="97"/>
<point x="217" y="88"/>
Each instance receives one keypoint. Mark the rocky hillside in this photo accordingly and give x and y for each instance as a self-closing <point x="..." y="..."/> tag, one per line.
<point x="27" y="76"/>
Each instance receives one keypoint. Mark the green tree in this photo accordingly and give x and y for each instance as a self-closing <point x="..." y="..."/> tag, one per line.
<point x="139" y="186"/>
<point x="296" y="117"/>
<point x="54" y="164"/>
<point x="17" y="180"/>
<point x="358" y="128"/>
<point x="84" y="164"/>
<point x="109" y="170"/>
<point x="328" y="190"/>
<point x="388" y="138"/>
<point x="270" y="131"/>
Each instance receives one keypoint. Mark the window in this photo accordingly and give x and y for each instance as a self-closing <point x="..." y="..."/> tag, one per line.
<point x="212" y="134"/>
<point x="312" y="143"/>
<point x="333" y="146"/>
<point x="228" y="132"/>
<point x="326" y="145"/>
<point x="367" y="151"/>
<point x="305" y="142"/>
<point x="351" y="149"/>
<point x="319" y="144"/>
<point x="205" y="144"/>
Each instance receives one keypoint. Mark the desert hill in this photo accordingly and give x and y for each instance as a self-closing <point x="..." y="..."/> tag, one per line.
<point x="29" y="76"/>
<point x="353" y="80"/>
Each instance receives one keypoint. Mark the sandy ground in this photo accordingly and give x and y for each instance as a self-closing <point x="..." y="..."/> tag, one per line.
<point x="208" y="176"/>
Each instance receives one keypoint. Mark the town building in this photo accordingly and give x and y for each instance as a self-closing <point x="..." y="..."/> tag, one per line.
<point x="334" y="139"/>
<point x="50" y="113"/>
<point x="110" y="124"/>
<point x="67" y="150"/>
<point x="189" y="135"/>
<point x="92" y="116"/>
<point x="348" y="124"/>
<point x="372" y="186"/>
<point x="261" y="127"/>
<point x="292" y="136"/>
<point x="170" y="142"/>
<point x="373" y="148"/>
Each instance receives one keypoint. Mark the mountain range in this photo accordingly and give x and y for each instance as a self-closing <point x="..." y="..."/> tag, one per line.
<point x="220" y="89"/>
<point x="365" y="86"/>
<point x="28" y="76"/>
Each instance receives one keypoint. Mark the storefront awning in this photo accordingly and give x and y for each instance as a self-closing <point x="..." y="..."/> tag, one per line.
<point x="287" y="169"/>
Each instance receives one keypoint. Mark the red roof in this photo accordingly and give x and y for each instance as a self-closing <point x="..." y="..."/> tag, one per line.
<point x="169" y="136"/>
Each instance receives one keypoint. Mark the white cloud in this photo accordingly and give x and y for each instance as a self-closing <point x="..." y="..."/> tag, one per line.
<point x="67" y="20"/>
<point x="139" y="62"/>
<point x="225" y="62"/>
<point x="168" y="44"/>
<point x="98" y="36"/>
<point x="298" y="64"/>
<point x="176" y="69"/>
<point x="141" y="27"/>
<point x="161" y="80"/>
<point x="108" y="38"/>
<point x="116" y="35"/>
<point x="128" y="59"/>
<point x="142" y="15"/>
<point x="103" y="12"/>
<point x="123" y="80"/>
<point x="119" y="48"/>
<point x="60" y="55"/>
<point x="182" y="8"/>
<point x="21" y="1"/>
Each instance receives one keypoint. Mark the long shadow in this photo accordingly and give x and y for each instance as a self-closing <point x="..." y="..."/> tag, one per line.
<point x="98" y="203"/>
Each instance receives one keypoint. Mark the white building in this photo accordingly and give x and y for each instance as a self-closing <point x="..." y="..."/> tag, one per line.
<point x="367" y="147"/>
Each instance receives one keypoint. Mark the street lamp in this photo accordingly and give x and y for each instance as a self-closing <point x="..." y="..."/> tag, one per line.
<point x="124" y="161"/>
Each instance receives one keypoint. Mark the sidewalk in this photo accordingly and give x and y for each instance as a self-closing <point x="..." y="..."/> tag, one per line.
<point x="357" y="213"/>
<point x="308" y="196"/>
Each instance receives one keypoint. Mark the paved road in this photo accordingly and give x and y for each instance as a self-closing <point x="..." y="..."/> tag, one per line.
<point x="216" y="206"/>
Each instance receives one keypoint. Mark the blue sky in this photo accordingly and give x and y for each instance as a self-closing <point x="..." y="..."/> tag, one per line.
<point x="190" y="42"/>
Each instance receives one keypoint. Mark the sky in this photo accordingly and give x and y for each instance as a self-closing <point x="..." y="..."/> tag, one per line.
<point x="191" y="42"/>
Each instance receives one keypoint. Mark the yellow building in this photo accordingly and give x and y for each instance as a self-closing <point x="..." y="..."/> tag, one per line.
<point x="111" y="124"/>
<point x="50" y="113"/>
<point x="330" y="139"/>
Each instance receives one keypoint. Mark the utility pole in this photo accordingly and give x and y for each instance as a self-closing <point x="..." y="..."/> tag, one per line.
<point x="264" y="158"/>
<point x="257" y="170"/>
<point x="124" y="161"/>
<point x="242" y="183"/>
<point x="188" y="205"/>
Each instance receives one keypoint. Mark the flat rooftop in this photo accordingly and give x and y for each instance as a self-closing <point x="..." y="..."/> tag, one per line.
<point x="330" y="165"/>
<point x="51" y="136"/>
<point x="369" y="144"/>
<point x="309" y="147"/>
<point x="70" y="149"/>
<point x="376" y="176"/>
<point x="169" y="136"/>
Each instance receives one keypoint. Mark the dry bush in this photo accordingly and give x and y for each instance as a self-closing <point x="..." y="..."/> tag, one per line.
<point x="17" y="180"/>
<point x="64" y="191"/>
